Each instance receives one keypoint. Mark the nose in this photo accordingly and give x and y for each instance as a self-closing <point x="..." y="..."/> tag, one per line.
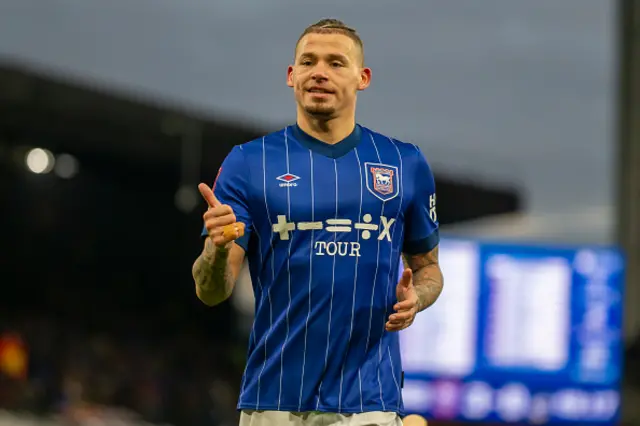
<point x="319" y="74"/>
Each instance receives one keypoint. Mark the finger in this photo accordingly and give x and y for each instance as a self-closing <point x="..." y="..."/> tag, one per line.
<point x="400" y="316"/>
<point x="224" y="225"/>
<point x="405" y="279"/>
<point x="208" y="195"/>
<point x="216" y="232"/>
<point x="405" y="305"/>
<point x="394" y="327"/>
<point x="211" y="218"/>
<point x="395" y="321"/>
<point x="219" y="210"/>
<point x="221" y="241"/>
<point x="226" y="234"/>
<point x="233" y="231"/>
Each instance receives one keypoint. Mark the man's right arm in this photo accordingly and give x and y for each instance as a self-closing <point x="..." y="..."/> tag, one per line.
<point x="216" y="270"/>
<point x="226" y="230"/>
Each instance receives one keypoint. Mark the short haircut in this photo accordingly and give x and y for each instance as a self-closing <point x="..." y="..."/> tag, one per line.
<point x="333" y="26"/>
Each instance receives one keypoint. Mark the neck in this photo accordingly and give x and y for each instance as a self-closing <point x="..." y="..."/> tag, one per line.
<point x="329" y="131"/>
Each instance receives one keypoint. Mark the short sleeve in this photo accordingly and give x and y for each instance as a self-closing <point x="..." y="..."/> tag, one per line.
<point x="231" y="187"/>
<point x="421" y="218"/>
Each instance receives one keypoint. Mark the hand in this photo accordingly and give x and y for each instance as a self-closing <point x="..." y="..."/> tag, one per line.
<point x="407" y="306"/>
<point x="219" y="219"/>
<point x="414" y="420"/>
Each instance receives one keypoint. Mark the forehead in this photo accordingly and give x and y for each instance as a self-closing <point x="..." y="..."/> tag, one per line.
<point x="325" y="44"/>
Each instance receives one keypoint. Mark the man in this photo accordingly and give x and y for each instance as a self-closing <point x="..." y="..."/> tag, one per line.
<point x="323" y="209"/>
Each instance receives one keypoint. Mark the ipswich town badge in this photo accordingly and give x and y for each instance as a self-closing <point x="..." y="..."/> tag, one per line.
<point x="382" y="180"/>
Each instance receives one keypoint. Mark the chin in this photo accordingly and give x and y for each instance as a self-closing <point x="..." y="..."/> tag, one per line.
<point x="320" y="111"/>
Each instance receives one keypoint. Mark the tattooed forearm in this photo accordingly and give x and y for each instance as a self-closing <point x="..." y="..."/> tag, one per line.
<point x="213" y="277"/>
<point x="427" y="277"/>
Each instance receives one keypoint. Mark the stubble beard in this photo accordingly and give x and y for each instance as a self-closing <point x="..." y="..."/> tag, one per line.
<point x="320" y="111"/>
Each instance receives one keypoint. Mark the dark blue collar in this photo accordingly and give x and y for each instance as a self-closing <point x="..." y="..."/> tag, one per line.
<point x="329" y="150"/>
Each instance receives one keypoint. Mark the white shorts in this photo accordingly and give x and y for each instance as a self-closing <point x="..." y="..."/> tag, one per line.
<point x="287" y="418"/>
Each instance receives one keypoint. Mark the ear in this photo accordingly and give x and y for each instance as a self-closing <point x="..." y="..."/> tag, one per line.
<point x="365" y="78"/>
<point x="290" y="76"/>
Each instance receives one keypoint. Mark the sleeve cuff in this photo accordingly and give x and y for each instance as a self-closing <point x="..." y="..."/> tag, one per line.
<point x="424" y="245"/>
<point x="243" y="242"/>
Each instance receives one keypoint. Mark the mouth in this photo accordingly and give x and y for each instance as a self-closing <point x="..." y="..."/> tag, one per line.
<point x="319" y="91"/>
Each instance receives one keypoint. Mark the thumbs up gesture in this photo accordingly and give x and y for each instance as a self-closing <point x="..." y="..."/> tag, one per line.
<point x="219" y="219"/>
<point x="407" y="306"/>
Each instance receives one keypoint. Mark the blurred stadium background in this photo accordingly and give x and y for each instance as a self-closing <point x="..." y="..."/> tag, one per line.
<point x="112" y="111"/>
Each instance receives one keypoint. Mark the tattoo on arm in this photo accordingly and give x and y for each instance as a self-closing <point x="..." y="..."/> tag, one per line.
<point x="211" y="272"/>
<point x="427" y="277"/>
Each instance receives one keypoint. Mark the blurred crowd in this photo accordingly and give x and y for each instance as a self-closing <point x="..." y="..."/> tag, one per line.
<point x="62" y="371"/>
<point x="51" y="367"/>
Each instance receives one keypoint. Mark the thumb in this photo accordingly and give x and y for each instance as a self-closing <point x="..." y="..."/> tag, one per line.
<point x="405" y="279"/>
<point x="207" y="194"/>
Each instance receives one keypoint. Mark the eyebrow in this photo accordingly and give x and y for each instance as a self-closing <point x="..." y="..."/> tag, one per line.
<point x="331" y="56"/>
<point x="338" y="56"/>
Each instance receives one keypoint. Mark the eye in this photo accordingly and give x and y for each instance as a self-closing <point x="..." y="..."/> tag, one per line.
<point x="305" y="63"/>
<point x="336" y="64"/>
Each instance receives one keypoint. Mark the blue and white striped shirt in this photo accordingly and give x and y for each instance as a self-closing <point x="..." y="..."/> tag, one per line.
<point x="325" y="228"/>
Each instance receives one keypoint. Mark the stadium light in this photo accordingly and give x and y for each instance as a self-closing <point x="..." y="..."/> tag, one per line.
<point x="39" y="161"/>
<point x="66" y="166"/>
<point x="186" y="198"/>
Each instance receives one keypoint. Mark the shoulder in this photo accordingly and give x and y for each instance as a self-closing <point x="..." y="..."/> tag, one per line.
<point x="406" y="149"/>
<point x="256" y="146"/>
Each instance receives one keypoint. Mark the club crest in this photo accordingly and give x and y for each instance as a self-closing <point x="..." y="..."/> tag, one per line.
<point x="382" y="180"/>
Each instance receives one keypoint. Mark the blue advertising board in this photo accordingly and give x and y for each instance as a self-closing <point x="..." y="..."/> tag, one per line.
<point x="520" y="334"/>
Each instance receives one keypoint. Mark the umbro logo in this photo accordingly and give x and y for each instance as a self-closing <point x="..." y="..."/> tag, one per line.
<point x="288" y="180"/>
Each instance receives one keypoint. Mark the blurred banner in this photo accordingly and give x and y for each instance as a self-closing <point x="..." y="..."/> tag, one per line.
<point x="521" y="333"/>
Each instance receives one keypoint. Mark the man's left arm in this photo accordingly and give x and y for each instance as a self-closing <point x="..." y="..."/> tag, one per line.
<point x="427" y="276"/>
<point x="420" y="288"/>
